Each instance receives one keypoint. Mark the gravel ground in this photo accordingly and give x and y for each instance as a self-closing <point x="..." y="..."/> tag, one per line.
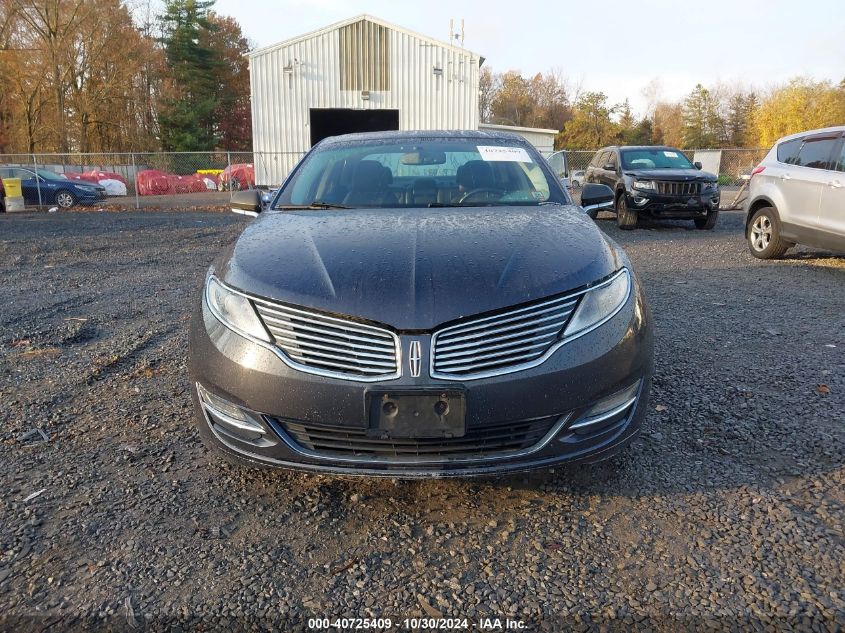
<point x="727" y="513"/>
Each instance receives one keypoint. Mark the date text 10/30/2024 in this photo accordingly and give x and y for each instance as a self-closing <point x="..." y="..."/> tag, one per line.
<point x="445" y="624"/>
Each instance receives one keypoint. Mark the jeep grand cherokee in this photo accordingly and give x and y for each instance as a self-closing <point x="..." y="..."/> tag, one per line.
<point x="659" y="182"/>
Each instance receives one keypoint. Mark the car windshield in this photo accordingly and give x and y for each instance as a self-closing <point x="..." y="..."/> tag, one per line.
<point x="656" y="158"/>
<point x="433" y="172"/>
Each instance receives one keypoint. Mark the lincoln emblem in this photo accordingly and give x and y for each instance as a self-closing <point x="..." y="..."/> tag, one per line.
<point x="415" y="359"/>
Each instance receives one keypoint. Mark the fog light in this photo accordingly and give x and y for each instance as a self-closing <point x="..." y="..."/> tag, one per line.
<point x="608" y="408"/>
<point x="230" y="417"/>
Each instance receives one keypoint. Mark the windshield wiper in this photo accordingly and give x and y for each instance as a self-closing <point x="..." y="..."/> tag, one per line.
<point x="317" y="204"/>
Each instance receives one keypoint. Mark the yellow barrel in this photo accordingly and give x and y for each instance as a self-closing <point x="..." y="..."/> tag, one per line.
<point x="13" y="187"/>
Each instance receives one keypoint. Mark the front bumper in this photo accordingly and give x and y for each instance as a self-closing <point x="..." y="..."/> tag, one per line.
<point x="90" y="195"/>
<point x="286" y="404"/>
<point x="670" y="206"/>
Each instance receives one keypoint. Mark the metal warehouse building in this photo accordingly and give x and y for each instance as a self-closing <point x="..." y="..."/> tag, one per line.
<point x="362" y="74"/>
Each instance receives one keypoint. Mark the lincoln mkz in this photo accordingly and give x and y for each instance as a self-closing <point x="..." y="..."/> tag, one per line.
<point x="421" y="304"/>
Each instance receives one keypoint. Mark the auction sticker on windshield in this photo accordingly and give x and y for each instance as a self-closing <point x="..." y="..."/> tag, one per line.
<point x="499" y="153"/>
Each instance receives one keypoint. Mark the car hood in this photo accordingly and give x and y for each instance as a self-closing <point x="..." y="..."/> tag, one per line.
<point x="671" y="174"/>
<point x="415" y="269"/>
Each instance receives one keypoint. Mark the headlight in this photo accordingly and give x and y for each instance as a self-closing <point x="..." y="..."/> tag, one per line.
<point x="233" y="310"/>
<point x="709" y="186"/>
<point x="644" y="185"/>
<point x="600" y="304"/>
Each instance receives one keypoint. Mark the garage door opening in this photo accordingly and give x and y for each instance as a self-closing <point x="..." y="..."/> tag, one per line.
<point x="333" y="121"/>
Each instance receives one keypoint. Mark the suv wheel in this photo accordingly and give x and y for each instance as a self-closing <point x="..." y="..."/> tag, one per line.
<point x="763" y="233"/>
<point x="625" y="218"/>
<point x="708" y="222"/>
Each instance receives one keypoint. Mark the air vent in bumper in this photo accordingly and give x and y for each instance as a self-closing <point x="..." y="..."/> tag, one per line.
<point x="340" y="442"/>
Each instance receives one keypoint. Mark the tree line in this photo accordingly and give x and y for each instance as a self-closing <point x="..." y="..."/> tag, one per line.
<point x="93" y="76"/>
<point x="708" y="117"/>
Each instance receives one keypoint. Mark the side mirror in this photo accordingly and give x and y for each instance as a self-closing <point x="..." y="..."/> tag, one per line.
<point x="697" y="164"/>
<point x="247" y="202"/>
<point x="595" y="196"/>
<point x="609" y="167"/>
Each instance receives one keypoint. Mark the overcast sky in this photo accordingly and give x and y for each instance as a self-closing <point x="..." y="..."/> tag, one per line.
<point x="614" y="46"/>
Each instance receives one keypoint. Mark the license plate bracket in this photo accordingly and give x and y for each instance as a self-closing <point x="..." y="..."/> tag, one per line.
<point x="416" y="414"/>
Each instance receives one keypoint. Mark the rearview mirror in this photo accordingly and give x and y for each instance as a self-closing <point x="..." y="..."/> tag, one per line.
<point x="697" y="164"/>
<point x="595" y="196"/>
<point x="247" y="202"/>
<point x="609" y="167"/>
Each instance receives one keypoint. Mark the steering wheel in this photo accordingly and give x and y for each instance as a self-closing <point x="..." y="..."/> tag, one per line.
<point x="473" y="192"/>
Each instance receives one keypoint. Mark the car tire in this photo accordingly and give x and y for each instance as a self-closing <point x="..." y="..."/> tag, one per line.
<point x="707" y="223"/>
<point x="235" y="184"/>
<point x="65" y="199"/>
<point x="576" y="184"/>
<point x="625" y="218"/>
<point x="763" y="235"/>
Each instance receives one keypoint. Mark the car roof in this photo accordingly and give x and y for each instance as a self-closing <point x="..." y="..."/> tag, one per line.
<point x="417" y="135"/>
<point x="821" y="130"/>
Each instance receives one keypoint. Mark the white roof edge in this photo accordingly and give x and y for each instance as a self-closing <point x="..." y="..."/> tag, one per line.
<point x="352" y="20"/>
<point x="516" y="128"/>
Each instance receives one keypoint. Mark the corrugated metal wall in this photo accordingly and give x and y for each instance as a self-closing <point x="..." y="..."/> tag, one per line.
<point x="433" y="87"/>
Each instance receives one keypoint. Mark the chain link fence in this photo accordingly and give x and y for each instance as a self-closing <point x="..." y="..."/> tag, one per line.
<point x="160" y="180"/>
<point x="206" y="180"/>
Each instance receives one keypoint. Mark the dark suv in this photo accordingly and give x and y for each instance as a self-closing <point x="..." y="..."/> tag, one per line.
<point x="659" y="182"/>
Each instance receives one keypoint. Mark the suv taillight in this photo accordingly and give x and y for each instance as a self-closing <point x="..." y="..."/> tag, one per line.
<point x="757" y="170"/>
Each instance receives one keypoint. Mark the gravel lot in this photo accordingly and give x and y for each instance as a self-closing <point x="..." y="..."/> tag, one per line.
<point x="727" y="513"/>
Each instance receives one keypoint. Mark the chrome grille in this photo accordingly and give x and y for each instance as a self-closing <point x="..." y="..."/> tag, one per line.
<point x="497" y="344"/>
<point x="353" y="442"/>
<point x="678" y="188"/>
<point x="321" y="344"/>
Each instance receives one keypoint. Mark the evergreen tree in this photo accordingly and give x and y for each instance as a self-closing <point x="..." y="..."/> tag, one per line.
<point x="640" y="134"/>
<point x="737" y="120"/>
<point x="701" y="120"/>
<point x="626" y="117"/>
<point x="186" y="119"/>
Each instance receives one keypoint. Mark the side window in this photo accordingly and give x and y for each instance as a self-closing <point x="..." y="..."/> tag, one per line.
<point x="840" y="163"/>
<point x="612" y="159"/>
<point x="788" y="151"/>
<point x="556" y="162"/>
<point x="815" y="152"/>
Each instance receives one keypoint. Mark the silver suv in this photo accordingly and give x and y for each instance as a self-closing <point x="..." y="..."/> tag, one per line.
<point x="797" y="194"/>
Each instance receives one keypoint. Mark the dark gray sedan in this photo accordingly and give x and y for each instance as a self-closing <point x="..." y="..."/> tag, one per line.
<point x="421" y="304"/>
